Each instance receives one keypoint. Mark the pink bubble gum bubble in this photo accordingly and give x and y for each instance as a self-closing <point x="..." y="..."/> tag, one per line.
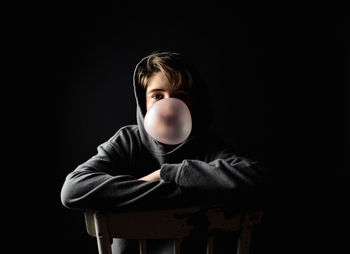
<point x="169" y="121"/>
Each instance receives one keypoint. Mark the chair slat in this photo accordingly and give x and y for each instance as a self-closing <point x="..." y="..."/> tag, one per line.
<point x="173" y="224"/>
<point x="143" y="246"/>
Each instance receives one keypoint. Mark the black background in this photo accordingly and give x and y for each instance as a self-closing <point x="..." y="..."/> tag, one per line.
<point x="279" y="79"/>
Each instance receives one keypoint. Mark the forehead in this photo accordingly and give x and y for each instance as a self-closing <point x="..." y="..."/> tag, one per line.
<point x="160" y="82"/>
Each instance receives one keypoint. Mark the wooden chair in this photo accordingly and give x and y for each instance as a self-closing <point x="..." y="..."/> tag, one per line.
<point x="168" y="224"/>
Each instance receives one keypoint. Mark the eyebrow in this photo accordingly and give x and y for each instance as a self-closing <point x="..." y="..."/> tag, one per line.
<point x="156" y="90"/>
<point x="162" y="90"/>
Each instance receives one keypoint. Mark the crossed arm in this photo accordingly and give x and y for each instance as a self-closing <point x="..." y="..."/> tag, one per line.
<point x="95" y="184"/>
<point x="155" y="175"/>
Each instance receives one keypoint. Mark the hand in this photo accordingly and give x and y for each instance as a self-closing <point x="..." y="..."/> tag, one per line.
<point x="151" y="177"/>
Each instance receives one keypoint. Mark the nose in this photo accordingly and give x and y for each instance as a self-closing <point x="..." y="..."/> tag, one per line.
<point x="169" y="119"/>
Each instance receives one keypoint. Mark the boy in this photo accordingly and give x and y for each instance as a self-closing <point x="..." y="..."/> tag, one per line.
<point x="133" y="170"/>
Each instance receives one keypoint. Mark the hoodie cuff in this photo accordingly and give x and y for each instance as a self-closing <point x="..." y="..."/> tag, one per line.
<point x="170" y="172"/>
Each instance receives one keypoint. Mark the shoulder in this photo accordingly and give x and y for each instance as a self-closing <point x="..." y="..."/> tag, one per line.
<point x="207" y="146"/>
<point x="128" y="130"/>
<point x="125" y="138"/>
<point x="127" y="133"/>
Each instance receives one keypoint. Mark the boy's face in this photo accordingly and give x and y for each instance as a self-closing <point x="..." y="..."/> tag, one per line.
<point x="159" y="88"/>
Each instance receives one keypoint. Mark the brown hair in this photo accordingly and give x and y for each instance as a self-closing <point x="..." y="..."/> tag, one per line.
<point x="171" y="65"/>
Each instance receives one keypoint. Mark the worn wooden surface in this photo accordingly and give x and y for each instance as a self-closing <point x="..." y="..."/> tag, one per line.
<point x="162" y="224"/>
<point x="169" y="224"/>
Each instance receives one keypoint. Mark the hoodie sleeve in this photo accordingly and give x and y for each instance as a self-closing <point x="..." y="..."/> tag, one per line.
<point x="102" y="183"/>
<point x="225" y="172"/>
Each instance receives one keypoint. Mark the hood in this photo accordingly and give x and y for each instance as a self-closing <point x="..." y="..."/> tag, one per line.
<point x="201" y="111"/>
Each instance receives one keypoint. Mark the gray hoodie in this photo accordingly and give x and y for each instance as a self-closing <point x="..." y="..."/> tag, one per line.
<point x="201" y="169"/>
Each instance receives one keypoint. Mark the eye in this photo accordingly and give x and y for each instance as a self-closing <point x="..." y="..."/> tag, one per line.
<point x="157" y="96"/>
<point x="182" y="96"/>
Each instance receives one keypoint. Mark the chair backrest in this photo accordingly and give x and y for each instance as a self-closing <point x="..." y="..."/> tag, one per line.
<point x="168" y="224"/>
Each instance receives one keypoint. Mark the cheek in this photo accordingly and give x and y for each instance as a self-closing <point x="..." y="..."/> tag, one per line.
<point x="149" y="103"/>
